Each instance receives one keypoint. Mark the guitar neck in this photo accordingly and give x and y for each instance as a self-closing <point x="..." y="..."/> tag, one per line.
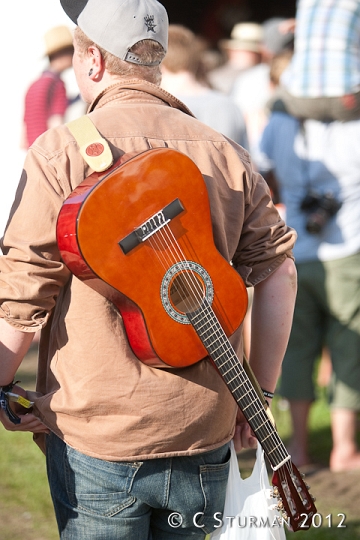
<point x="220" y="350"/>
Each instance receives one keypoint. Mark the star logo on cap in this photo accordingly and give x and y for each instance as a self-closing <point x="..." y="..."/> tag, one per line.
<point x="149" y="21"/>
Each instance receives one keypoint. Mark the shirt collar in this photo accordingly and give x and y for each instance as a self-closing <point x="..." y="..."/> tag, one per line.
<point x="136" y="89"/>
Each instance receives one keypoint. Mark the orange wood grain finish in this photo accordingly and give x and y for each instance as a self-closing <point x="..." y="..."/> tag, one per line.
<point x="105" y="209"/>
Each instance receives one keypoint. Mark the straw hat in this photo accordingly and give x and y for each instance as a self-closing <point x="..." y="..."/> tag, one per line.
<point x="57" y="38"/>
<point x="245" y="36"/>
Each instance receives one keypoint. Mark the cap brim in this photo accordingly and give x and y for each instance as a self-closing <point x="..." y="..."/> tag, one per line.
<point x="73" y="8"/>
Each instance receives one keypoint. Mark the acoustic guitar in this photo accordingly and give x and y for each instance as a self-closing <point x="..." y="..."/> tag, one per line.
<point x="141" y="235"/>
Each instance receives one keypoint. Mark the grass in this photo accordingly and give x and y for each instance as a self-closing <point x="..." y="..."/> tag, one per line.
<point x="26" y="511"/>
<point x="330" y="508"/>
<point x="319" y="426"/>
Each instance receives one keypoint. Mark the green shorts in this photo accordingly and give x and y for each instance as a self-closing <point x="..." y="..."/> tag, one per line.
<point x="327" y="312"/>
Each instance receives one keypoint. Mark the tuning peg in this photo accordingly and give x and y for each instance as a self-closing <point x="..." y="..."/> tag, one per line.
<point x="280" y="506"/>
<point x="275" y="492"/>
<point x="284" y="515"/>
<point x="313" y="498"/>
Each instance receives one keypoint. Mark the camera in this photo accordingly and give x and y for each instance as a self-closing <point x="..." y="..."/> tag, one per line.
<point x="320" y="209"/>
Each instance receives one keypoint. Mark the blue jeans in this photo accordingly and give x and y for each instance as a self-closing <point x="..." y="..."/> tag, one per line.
<point x="155" y="499"/>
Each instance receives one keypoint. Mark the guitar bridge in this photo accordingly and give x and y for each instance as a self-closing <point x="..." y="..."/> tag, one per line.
<point x="151" y="226"/>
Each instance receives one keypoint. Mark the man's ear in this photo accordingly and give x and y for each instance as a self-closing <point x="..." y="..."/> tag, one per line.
<point x="96" y="63"/>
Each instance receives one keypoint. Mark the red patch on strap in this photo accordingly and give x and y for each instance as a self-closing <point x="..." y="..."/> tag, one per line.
<point x="95" y="149"/>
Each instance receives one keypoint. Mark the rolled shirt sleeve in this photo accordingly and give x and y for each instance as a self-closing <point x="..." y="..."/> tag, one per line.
<point x="31" y="272"/>
<point x="266" y="240"/>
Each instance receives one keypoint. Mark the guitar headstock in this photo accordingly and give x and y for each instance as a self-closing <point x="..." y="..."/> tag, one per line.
<point x="295" y="504"/>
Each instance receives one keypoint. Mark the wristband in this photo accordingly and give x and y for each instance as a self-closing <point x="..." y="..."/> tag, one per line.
<point x="4" y="402"/>
<point x="9" y="387"/>
<point x="4" y="405"/>
<point x="267" y="394"/>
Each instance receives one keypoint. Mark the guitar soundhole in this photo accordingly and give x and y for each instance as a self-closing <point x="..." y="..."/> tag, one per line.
<point x="186" y="292"/>
<point x="183" y="289"/>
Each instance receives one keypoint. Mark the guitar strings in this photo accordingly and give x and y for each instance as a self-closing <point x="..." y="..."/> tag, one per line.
<point x="193" y="284"/>
<point x="169" y="252"/>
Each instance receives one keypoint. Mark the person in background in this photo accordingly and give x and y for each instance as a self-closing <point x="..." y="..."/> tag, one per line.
<point x="241" y="51"/>
<point x="252" y="88"/>
<point x="179" y="77"/>
<point x="46" y="101"/>
<point x="317" y="168"/>
<point x="323" y="79"/>
<point x="129" y="445"/>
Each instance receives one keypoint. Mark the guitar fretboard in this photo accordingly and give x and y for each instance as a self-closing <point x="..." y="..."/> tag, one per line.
<point x="219" y="348"/>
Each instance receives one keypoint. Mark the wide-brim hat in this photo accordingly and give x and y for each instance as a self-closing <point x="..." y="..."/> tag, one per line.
<point x="57" y="39"/>
<point x="244" y="36"/>
<point x="116" y="25"/>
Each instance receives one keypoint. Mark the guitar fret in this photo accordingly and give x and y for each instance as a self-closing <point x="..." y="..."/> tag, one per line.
<point x="254" y="412"/>
<point x="219" y="356"/>
<point x="243" y="395"/>
<point x="259" y="427"/>
<point x="213" y="351"/>
<point x="228" y="366"/>
<point x="208" y="338"/>
<point x="265" y="438"/>
<point x="221" y="366"/>
<point x="274" y="449"/>
<point x="194" y="316"/>
<point x="223" y="373"/>
<point x="265" y="425"/>
<point x="233" y="379"/>
<point x="204" y="329"/>
<point x="202" y="326"/>
<point x="238" y="388"/>
<point x="246" y="407"/>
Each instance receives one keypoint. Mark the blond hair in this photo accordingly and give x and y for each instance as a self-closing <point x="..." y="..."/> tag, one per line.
<point x="184" y="50"/>
<point x="148" y="50"/>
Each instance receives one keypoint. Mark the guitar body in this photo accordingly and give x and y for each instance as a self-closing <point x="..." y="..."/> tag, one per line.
<point x="141" y="235"/>
<point x="143" y="278"/>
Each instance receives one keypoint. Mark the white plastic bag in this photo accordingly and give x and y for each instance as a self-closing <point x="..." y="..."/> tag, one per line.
<point x="249" y="512"/>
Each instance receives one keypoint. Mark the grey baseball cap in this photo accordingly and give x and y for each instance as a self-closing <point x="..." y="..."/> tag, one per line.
<point x="116" y="25"/>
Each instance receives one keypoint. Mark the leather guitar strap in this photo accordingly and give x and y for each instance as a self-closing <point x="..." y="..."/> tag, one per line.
<point x="93" y="147"/>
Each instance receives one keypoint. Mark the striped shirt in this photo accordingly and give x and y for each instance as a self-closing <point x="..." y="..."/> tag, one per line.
<point x="45" y="97"/>
<point x="326" y="61"/>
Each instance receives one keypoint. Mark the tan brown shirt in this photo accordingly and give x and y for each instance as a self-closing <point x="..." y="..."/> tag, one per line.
<point x="98" y="396"/>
